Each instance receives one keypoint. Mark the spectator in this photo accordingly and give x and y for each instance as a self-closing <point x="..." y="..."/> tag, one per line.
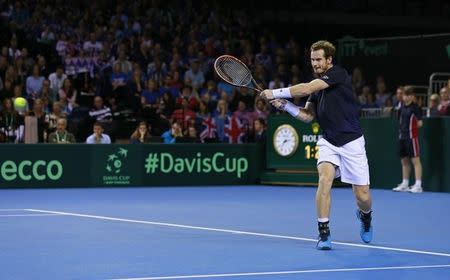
<point x="260" y="109"/>
<point x="220" y="117"/>
<point x="444" y="105"/>
<point x="98" y="137"/>
<point x="381" y="96"/>
<point x="191" y="135"/>
<point x="92" y="47"/>
<point x="57" y="78"/>
<point x="194" y="76"/>
<point x="100" y="112"/>
<point x="141" y="134"/>
<point x="397" y="99"/>
<point x="358" y="81"/>
<point x="118" y="80"/>
<point x="68" y="96"/>
<point x="47" y="94"/>
<point x="7" y="91"/>
<point x="174" y="132"/>
<point x="433" y="105"/>
<point x="34" y="83"/>
<point x="57" y="113"/>
<point x="42" y="119"/>
<point x="61" y="135"/>
<point x="150" y="96"/>
<point x="259" y="131"/>
<point x="11" y="123"/>
<point x="183" y="116"/>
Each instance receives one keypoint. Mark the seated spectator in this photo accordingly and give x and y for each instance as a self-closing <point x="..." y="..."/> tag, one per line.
<point x="141" y="134"/>
<point x="48" y="94"/>
<point x="382" y="95"/>
<point x="221" y="115"/>
<point x="7" y="91"/>
<point x="244" y="116"/>
<point x="150" y="96"/>
<point x="191" y="95"/>
<point x="11" y="123"/>
<point x="57" y="78"/>
<point x="398" y="97"/>
<point x="260" y="110"/>
<point x="42" y="119"/>
<point x="184" y="116"/>
<point x="173" y="133"/>
<point x="34" y="83"/>
<point x="444" y="105"/>
<point x="194" y="76"/>
<point x="68" y="96"/>
<point x="100" y="112"/>
<point x="190" y="136"/>
<point x="61" y="135"/>
<point x="433" y="105"/>
<point x="56" y="114"/>
<point x="98" y="137"/>
<point x="118" y="80"/>
<point x="258" y="134"/>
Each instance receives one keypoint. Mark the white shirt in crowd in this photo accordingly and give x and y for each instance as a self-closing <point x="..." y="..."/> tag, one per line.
<point x="103" y="140"/>
<point x="56" y="82"/>
<point x="92" y="48"/>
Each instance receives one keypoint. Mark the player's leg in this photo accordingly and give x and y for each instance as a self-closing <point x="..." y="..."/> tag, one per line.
<point x="404" y="149"/>
<point x="417" y="187"/>
<point x="364" y="212"/>
<point x="323" y="203"/>
<point x="354" y="170"/>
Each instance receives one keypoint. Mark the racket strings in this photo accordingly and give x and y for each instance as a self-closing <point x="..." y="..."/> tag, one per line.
<point x="234" y="72"/>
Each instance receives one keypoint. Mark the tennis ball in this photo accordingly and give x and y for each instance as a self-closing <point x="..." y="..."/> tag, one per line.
<point x="20" y="103"/>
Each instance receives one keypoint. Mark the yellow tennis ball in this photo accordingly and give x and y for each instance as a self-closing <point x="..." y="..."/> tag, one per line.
<point x="20" y="103"/>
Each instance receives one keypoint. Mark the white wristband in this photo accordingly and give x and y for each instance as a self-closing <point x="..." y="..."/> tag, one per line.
<point x="292" y="109"/>
<point x="282" y="93"/>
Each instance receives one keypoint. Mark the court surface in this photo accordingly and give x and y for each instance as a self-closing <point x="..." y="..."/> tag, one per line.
<point x="232" y="232"/>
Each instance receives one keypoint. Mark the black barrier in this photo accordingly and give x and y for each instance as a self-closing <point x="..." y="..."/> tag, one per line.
<point x="129" y="165"/>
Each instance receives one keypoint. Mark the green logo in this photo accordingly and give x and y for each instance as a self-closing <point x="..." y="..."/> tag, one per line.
<point x="27" y="170"/>
<point x="217" y="163"/>
<point x="115" y="163"/>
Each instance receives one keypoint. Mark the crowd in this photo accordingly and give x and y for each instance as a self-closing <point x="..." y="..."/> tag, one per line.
<point x="142" y="70"/>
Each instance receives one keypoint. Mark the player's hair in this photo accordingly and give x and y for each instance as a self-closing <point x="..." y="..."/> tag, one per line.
<point x="328" y="48"/>
<point x="409" y="90"/>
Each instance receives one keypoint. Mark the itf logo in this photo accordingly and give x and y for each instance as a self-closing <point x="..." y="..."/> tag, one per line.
<point x="115" y="163"/>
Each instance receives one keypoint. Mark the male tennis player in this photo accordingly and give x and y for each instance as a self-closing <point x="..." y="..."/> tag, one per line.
<point x="342" y="147"/>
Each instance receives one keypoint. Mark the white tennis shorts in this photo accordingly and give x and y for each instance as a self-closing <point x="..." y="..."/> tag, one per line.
<point x="350" y="159"/>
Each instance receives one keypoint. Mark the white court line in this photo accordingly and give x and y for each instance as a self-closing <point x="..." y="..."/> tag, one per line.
<point x="29" y="215"/>
<point x="239" y="232"/>
<point x="286" y="272"/>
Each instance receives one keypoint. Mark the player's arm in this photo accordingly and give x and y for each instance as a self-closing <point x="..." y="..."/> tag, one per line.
<point x="305" y="114"/>
<point x="298" y="90"/>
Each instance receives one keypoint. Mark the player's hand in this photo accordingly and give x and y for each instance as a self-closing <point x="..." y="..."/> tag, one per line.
<point x="267" y="94"/>
<point x="279" y="103"/>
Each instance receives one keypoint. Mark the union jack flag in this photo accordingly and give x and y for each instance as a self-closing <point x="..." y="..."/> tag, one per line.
<point x="234" y="130"/>
<point x="210" y="128"/>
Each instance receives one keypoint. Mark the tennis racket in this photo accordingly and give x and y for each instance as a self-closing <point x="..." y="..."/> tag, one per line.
<point x="235" y="72"/>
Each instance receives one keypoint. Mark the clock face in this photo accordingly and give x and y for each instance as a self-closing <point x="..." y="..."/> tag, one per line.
<point x="285" y="140"/>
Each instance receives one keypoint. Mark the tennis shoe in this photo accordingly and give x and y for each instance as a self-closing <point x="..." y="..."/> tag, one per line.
<point x="401" y="188"/>
<point x="366" y="230"/>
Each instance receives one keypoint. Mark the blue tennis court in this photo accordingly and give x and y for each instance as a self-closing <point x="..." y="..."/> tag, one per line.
<point x="234" y="232"/>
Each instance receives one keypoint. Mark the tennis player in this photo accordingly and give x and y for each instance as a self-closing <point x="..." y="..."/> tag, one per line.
<point x="342" y="148"/>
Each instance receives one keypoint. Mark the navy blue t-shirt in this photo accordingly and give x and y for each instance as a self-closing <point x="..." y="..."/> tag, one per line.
<point x="409" y="116"/>
<point x="336" y="108"/>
